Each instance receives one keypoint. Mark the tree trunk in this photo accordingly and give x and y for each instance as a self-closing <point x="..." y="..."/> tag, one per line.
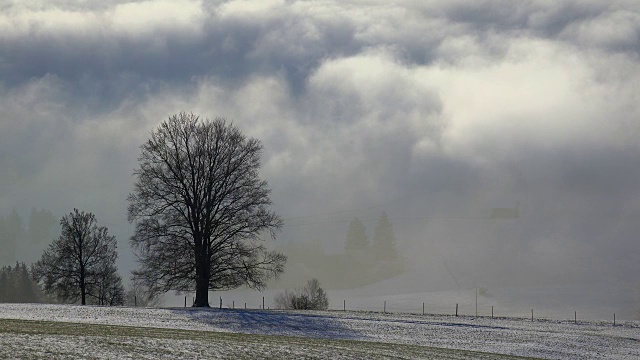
<point x="83" y="288"/>
<point x="202" y="282"/>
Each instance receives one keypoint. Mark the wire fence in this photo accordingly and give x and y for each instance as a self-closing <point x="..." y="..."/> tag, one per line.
<point x="464" y="304"/>
<point x="496" y="312"/>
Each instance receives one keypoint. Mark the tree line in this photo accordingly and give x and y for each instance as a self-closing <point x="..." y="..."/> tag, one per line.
<point x="16" y="285"/>
<point x="381" y="248"/>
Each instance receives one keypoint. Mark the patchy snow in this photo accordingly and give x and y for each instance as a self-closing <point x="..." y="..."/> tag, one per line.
<point x="540" y="338"/>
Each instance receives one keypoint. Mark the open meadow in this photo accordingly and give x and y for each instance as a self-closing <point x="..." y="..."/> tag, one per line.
<point x="35" y="331"/>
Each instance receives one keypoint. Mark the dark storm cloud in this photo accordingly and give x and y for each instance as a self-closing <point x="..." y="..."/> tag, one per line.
<point x="427" y="109"/>
<point x="106" y="52"/>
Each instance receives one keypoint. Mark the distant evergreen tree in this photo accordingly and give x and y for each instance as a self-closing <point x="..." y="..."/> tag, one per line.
<point x="4" y="285"/>
<point x="11" y="233"/>
<point x="384" y="239"/>
<point x="26" y="288"/>
<point x="15" y="226"/>
<point x="42" y="226"/>
<point x="356" y="238"/>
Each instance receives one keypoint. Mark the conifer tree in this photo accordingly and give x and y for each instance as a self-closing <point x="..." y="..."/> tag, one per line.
<point x="4" y="285"/>
<point x="11" y="233"/>
<point x="356" y="238"/>
<point x="384" y="239"/>
<point x="26" y="289"/>
<point x="41" y="226"/>
<point x="17" y="286"/>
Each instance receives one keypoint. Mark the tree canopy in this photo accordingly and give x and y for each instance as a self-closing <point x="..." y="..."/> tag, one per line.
<point x="200" y="209"/>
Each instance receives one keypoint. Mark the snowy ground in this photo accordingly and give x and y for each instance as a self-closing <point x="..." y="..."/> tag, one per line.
<point x="273" y="331"/>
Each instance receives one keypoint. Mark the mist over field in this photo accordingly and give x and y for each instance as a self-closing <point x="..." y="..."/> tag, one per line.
<point x="435" y="112"/>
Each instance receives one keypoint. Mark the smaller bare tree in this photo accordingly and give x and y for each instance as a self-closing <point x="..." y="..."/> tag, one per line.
<point x="108" y="290"/>
<point x="310" y="297"/>
<point x="80" y="264"/>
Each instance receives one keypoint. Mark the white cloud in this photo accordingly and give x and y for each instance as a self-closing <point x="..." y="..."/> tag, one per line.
<point x="448" y="104"/>
<point x="135" y="20"/>
<point x="617" y="30"/>
<point x="148" y="18"/>
<point x="541" y="95"/>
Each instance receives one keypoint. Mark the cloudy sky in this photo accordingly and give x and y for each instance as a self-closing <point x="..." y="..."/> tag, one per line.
<point x="434" y="111"/>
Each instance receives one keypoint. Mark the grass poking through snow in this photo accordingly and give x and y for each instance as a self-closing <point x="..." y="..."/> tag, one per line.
<point x="28" y="339"/>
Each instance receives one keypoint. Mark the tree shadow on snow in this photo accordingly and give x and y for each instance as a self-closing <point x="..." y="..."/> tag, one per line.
<point x="272" y="322"/>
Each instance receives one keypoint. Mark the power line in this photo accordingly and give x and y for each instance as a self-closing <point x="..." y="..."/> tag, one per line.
<point x="399" y="218"/>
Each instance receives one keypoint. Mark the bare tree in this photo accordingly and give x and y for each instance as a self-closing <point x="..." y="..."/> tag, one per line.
<point x="310" y="297"/>
<point x="109" y="289"/>
<point x="200" y="207"/>
<point x="80" y="264"/>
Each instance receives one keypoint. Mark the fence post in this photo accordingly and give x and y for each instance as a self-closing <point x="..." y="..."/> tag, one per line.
<point x="492" y="312"/>
<point x="385" y="307"/>
<point x="344" y="305"/>
<point x="220" y="302"/>
<point x="135" y="300"/>
<point x="185" y="301"/>
<point x="614" y="319"/>
<point x="422" y="308"/>
<point x="476" y="302"/>
<point x="456" y="310"/>
<point x="575" y="317"/>
<point x="263" y="303"/>
<point x="233" y="306"/>
<point x="531" y="314"/>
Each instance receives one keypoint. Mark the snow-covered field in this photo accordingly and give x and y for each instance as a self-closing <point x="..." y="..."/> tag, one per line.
<point x="276" y="329"/>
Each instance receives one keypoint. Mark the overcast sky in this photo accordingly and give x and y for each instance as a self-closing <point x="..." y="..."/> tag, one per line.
<point x="435" y="111"/>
